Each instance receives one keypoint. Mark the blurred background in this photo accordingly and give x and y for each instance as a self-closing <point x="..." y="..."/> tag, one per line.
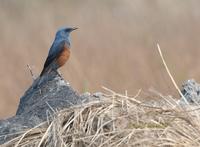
<point x="115" y="45"/>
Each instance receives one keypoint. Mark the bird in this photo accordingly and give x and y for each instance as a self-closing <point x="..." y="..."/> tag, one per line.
<point x="59" y="51"/>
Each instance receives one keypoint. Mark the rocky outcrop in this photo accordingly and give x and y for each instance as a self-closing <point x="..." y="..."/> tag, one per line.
<point x="44" y="98"/>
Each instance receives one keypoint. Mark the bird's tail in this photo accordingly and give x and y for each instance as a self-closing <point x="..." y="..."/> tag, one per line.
<point x="43" y="71"/>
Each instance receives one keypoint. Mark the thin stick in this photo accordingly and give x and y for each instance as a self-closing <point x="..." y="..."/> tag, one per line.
<point x="172" y="79"/>
<point x="31" y="71"/>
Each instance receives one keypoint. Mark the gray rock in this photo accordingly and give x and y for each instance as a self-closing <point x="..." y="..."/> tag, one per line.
<point x="191" y="92"/>
<point x="46" y="96"/>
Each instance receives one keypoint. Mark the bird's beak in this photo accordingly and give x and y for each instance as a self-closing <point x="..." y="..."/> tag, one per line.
<point x="75" y="28"/>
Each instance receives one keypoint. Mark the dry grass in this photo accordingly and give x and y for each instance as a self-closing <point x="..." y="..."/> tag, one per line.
<point x="118" y="120"/>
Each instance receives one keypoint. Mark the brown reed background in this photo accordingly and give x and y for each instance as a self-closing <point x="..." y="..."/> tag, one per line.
<point x="115" y="45"/>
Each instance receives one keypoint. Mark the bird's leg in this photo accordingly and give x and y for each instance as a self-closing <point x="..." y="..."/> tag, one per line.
<point x="59" y="73"/>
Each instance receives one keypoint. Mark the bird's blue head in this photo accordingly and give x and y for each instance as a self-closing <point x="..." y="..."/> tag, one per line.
<point x="64" y="34"/>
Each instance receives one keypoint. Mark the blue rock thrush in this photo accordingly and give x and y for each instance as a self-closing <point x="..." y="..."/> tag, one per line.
<point x="59" y="52"/>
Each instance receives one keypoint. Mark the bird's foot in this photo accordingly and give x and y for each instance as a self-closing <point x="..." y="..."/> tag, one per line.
<point x="59" y="74"/>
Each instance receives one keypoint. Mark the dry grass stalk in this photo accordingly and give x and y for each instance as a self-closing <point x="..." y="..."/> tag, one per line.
<point x="170" y="75"/>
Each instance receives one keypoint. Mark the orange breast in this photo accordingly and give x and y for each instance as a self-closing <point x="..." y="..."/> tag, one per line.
<point x="63" y="57"/>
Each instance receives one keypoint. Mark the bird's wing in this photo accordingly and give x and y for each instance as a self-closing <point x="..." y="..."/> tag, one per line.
<point x="54" y="52"/>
